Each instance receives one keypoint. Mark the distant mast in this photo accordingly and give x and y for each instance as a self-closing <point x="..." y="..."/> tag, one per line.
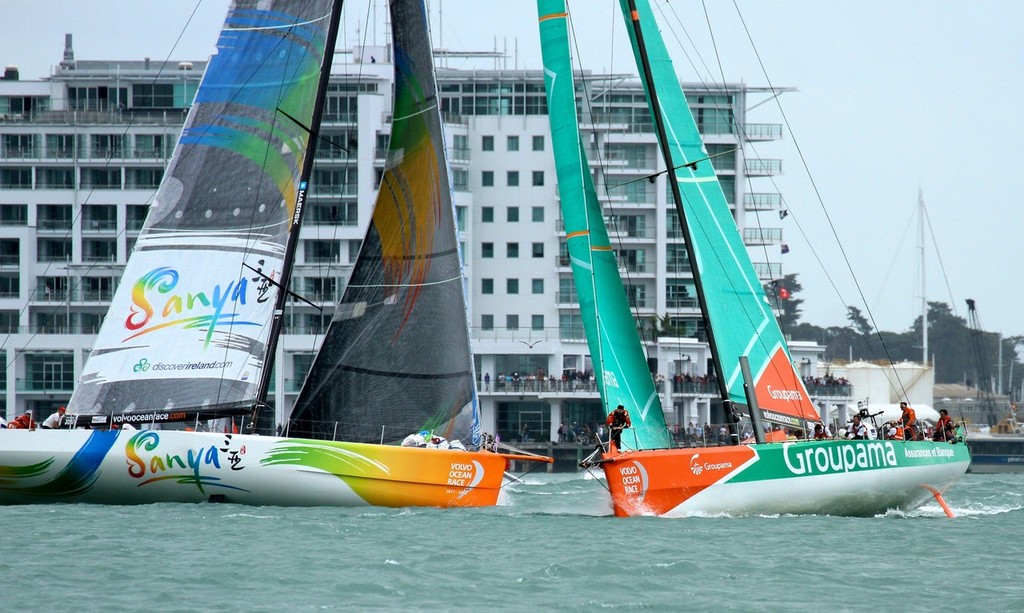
<point x="924" y="293"/>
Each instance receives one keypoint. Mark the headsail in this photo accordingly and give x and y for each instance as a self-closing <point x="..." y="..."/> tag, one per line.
<point x="739" y="317"/>
<point x="396" y="357"/>
<point x="620" y="366"/>
<point x="188" y="329"/>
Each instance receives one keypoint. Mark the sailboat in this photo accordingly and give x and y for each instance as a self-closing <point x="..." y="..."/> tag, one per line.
<point x="755" y="372"/>
<point x="191" y="332"/>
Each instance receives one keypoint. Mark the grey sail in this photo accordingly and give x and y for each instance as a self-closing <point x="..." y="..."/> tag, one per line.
<point x="396" y="357"/>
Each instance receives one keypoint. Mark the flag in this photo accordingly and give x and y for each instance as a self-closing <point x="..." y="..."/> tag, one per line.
<point x="783" y="213"/>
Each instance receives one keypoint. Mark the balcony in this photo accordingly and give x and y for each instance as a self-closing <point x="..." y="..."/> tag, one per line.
<point x="761" y="201"/>
<point x="762" y="131"/>
<point x="763" y="168"/>
<point x="762" y="236"/>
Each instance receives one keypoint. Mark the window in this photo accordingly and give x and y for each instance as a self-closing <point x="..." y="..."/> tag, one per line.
<point x="53" y="250"/>
<point x="99" y="250"/>
<point x="487" y="144"/>
<point x="512" y="250"/>
<point x="487" y="286"/>
<point x="538" y="178"/>
<point x="538" y="143"/>
<point x="460" y="148"/>
<point x="512" y="322"/>
<point x="460" y="180"/>
<point x="13" y="214"/>
<point x="16" y="178"/>
<point x="487" y="322"/>
<point x="513" y="143"/>
<point x="538" y="286"/>
<point x="56" y="178"/>
<point x="487" y="250"/>
<point x="512" y="286"/>
<point x="513" y="178"/>
<point x="354" y="245"/>
<point x="487" y="214"/>
<point x="322" y="251"/>
<point x="153" y="96"/>
<point x="537" y="322"/>
<point x="538" y="213"/>
<point x="487" y="178"/>
<point x="101" y="178"/>
<point x="538" y="250"/>
<point x="460" y="218"/>
<point x="512" y="215"/>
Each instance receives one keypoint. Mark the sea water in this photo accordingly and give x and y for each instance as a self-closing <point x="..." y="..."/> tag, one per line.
<point x="552" y="545"/>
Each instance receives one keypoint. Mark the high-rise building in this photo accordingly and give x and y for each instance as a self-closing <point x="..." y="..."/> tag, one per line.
<point x="83" y="150"/>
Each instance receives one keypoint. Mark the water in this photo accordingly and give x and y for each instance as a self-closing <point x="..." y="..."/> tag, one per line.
<point x="551" y="546"/>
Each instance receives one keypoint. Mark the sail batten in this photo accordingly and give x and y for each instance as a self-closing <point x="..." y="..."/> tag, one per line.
<point x="189" y="329"/>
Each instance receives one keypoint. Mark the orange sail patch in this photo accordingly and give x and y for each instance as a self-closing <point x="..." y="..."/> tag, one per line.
<point x="779" y="390"/>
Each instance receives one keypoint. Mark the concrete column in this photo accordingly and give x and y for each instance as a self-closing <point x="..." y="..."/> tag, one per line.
<point x="556" y="418"/>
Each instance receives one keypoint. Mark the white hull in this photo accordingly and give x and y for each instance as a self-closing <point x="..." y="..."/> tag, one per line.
<point x="139" y="467"/>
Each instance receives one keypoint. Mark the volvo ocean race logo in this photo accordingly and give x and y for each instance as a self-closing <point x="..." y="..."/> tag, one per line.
<point x="634" y="480"/>
<point x="465" y="475"/>
<point x="842" y="457"/>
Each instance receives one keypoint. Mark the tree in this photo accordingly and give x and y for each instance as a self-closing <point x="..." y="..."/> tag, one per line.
<point x="860" y="324"/>
<point x="782" y="296"/>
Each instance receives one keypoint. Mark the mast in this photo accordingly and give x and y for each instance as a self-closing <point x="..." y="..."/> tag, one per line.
<point x="300" y="200"/>
<point x="670" y="175"/>
<point x="924" y="294"/>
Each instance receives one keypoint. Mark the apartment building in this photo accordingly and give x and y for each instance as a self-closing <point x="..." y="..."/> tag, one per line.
<point x="83" y="150"/>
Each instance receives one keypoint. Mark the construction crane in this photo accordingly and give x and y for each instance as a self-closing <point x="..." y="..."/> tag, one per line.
<point x="982" y="378"/>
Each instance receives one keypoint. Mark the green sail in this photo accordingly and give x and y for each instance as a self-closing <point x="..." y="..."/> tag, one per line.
<point x="620" y="365"/>
<point x="738" y="314"/>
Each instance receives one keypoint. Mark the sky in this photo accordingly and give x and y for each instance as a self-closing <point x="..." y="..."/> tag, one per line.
<point x="891" y="99"/>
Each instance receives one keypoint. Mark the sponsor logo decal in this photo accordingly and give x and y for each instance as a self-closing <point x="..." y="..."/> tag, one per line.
<point x="156" y="305"/>
<point x="634" y="480"/>
<point x="784" y="394"/>
<point x="842" y="458"/>
<point x="698" y="467"/>
<point x="144" y="365"/>
<point x="466" y="475"/>
<point x="149" y="464"/>
<point x="934" y="452"/>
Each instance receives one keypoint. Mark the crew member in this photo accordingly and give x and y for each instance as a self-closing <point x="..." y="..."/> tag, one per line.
<point x="821" y="432"/>
<point x="944" y="430"/>
<point x="617" y="420"/>
<point x="857" y="430"/>
<point x="53" y="421"/>
<point x="909" y="421"/>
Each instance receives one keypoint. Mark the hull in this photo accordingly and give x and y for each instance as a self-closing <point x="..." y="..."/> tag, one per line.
<point x="148" y="466"/>
<point x="852" y="478"/>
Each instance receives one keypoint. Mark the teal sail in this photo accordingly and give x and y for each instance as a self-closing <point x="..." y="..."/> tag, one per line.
<point x="620" y="366"/>
<point x="739" y="318"/>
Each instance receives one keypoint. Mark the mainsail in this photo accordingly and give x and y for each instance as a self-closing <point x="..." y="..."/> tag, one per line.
<point x="739" y="318"/>
<point x="190" y="328"/>
<point x="620" y="366"/>
<point x="396" y="357"/>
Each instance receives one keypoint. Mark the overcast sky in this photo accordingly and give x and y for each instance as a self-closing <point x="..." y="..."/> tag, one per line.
<point x="892" y="97"/>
